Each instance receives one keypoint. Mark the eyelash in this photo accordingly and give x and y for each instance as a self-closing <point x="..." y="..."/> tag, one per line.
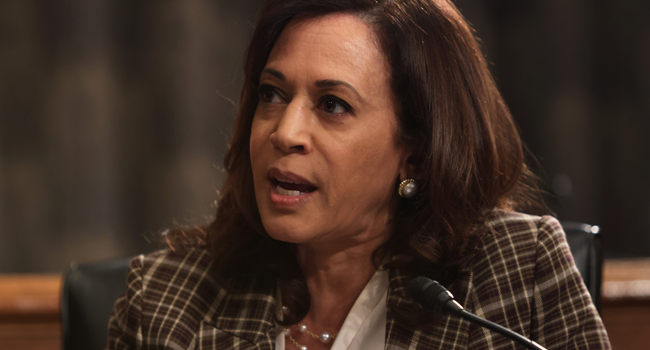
<point x="264" y="89"/>
<point x="345" y="105"/>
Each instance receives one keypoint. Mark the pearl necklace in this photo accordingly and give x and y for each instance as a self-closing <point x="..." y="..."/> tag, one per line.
<point x="324" y="337"/>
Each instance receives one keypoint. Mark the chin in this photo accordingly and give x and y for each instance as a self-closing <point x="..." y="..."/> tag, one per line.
<point x="280" y="230"/>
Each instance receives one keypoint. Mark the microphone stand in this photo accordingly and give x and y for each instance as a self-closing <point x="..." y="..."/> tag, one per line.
<point x="500" y="329"/>
<point x="432" y="296"/>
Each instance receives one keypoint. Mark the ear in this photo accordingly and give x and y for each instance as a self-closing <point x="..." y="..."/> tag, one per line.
<point x="410" y="168"/>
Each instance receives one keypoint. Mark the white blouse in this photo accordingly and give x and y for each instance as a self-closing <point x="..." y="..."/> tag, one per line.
<point x="365" y="326"/>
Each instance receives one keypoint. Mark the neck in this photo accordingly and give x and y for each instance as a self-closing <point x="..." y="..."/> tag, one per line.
<point x="335" y="278"/>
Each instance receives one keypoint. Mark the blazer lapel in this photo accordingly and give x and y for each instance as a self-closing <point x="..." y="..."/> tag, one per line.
<point x="244" y="320"/>
<point x="447" y="333"/>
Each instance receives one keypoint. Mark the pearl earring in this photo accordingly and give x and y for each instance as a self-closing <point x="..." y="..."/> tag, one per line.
<point x="408" y="188"/>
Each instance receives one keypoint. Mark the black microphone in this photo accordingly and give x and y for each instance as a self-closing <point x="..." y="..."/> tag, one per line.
<point x="432" y="296"/>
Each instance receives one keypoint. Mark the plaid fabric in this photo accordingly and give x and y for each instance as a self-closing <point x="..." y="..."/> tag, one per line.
<point x="523" y="278"/>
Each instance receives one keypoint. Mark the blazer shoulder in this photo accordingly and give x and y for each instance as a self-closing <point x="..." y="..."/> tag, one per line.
<point x="198" y="259"/>
<point x="504" y="269"/>
<point x="505" y="226"/>
<point x="524" y="278"/>
<point x="168" y="295"/>
<point x="169" y="272"/>
<point x="511" y="241"/>
<point x="511" y="222"/>
<point x="179" y="291"/>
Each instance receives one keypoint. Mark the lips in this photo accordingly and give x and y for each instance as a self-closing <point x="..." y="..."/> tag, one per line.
<point x="290" y="188"/>
<point x="289" y="184"/>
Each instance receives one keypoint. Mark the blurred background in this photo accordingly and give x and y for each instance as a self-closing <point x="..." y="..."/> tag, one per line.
<point x="115" y="115"/>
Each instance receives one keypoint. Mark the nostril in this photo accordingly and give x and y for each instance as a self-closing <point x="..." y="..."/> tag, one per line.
<point x="299" y="148"/>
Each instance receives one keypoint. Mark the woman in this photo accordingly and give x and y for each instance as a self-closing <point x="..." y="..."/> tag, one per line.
<point x="371" y="146"/>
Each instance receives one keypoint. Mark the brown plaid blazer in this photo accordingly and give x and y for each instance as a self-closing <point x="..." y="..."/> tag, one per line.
<point x="523" y="277"/>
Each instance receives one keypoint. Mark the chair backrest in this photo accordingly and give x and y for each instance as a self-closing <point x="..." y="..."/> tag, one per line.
<point x="87" y="299"/>
<point x="586" y="246"/>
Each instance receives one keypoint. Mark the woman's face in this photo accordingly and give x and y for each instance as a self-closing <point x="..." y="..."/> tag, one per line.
<point x="323" y="150"/>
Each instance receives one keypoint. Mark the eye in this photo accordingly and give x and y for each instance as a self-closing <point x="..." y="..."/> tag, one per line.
<point x="334" y="105"/>
<point x="268" y="94"/>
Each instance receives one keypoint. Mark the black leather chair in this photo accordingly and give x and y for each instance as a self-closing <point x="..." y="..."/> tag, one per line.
<point x="87" y="299"/>
<point x="586" y="246"/>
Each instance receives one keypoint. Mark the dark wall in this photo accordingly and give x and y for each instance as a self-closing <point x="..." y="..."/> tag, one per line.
<point x="114" y="120"/>
<point x="576" y="75"/>
<point x="114" y="116"/>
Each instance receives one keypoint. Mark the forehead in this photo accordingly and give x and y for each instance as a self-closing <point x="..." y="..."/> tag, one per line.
<point x="336" y="44"/>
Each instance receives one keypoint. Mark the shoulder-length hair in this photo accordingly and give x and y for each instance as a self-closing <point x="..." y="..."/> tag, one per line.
<point x="450" y="113"/>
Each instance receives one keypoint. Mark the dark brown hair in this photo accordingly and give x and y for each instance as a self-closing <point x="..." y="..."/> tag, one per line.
<point x="451" y="114"/>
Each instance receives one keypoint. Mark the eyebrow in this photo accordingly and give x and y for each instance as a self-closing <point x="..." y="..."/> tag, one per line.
<point x="331" y="83"/>
<point x="319" y="83"/>
<point x="275" y="73"/>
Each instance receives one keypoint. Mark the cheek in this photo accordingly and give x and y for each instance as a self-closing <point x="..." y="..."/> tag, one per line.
<point x="371" y="164"/>
<point x="257" y="140"/>
<point x="256" y="153"/>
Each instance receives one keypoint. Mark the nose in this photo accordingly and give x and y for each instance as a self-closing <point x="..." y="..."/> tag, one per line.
<point x="292" y="134"/>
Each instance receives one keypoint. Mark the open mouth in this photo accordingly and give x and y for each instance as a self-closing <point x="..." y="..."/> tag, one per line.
<point x="291" y="188"/>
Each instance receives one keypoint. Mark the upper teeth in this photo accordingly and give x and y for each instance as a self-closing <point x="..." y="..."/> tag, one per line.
<point x="287" y="181"/>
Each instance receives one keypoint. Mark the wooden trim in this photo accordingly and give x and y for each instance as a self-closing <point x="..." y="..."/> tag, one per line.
<point x="626" y="281"/>
<point x="30" y="294"/>
<point x="30" y="311"/>
<point x="625" y="306"/>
